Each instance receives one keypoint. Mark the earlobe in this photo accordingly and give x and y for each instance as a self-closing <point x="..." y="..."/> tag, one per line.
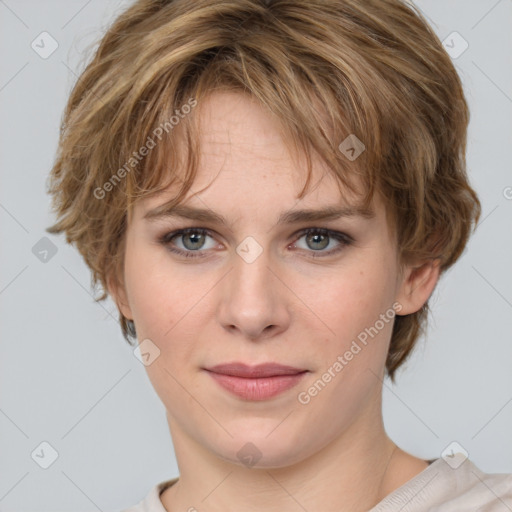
<point x="418" y="283"/>
<point x="117" y="292"/>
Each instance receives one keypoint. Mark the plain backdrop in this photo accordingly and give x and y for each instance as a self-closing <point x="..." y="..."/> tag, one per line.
<point x="68" y="378"/>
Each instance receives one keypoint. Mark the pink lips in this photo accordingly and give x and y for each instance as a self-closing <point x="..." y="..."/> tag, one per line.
<point x="256" y="382"/>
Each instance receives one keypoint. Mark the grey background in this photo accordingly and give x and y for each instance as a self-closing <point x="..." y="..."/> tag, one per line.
<point x="67" y="377"/>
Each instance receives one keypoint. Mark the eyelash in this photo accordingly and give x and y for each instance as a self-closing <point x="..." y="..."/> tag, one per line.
<point x="343" y="238"/>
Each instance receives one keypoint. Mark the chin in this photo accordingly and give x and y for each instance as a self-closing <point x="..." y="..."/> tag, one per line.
<point x="259" y="451"/>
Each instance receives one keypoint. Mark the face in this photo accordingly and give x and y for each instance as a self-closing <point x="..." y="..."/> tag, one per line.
<point x="263" y="287"/>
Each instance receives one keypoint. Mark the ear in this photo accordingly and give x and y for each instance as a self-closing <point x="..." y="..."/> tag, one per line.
<point x="118" y="293"/>
<point x="417" y="284"/>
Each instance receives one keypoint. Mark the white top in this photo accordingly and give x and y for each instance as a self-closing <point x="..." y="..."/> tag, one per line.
<point x="438" y="488"/>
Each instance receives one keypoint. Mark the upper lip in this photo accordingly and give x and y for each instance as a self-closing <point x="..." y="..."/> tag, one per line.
<point x="260" y="370"/>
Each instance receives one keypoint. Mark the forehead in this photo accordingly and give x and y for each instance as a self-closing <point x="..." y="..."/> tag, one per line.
<point x="246" y="162"/>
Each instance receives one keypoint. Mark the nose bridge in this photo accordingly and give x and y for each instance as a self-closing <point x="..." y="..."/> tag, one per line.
<point x="251" y="283"/>
<point x="251" y="275"/>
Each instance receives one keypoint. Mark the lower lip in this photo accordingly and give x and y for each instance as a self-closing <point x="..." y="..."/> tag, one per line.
<point x="257" y="389"/>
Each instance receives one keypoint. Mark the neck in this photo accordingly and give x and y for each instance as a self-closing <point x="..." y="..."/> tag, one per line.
<point x="352" y="473"/>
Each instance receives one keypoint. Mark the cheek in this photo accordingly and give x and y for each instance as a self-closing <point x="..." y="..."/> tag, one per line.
<point x="354" y="354"/>
<point x="355" y="346"/>
<point x="158" y="294"/>
<point x="149" y="302"/>
<point x="351" y="299"/>
<point x="167" y="305"/>
<point x="165" y="308"/>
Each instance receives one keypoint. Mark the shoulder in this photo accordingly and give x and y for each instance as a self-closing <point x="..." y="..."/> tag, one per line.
<point x="451" y="487"/>
<point x="489" y="492"/>
<point x="152" y="502"/>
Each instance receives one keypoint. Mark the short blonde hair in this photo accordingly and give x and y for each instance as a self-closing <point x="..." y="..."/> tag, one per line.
<point x="326" y="68"/>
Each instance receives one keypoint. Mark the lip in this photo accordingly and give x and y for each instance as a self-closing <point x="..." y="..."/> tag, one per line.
<point x="259" y="382"/>
<point x="256" y="371"/>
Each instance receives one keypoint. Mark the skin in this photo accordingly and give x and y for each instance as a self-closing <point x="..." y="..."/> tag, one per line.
<point x="287" y="307"/>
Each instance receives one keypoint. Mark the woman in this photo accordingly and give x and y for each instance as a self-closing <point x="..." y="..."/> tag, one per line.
<point x="270" y="192"/>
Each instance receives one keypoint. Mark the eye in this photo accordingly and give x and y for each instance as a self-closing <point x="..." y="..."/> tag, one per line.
<point x="318" y="239"/>
<point x="187" y="242"/>
<point x="192" y="242"/>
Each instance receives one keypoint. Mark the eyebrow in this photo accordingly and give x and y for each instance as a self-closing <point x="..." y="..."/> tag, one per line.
<point x="288" y="217"/>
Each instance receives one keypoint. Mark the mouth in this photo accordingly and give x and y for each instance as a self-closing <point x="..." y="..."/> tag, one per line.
<point x="256" y="383"/>
<point x="254" y="372"/>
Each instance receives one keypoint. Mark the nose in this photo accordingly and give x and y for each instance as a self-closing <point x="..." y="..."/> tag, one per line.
<point x="254" y="302"/>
